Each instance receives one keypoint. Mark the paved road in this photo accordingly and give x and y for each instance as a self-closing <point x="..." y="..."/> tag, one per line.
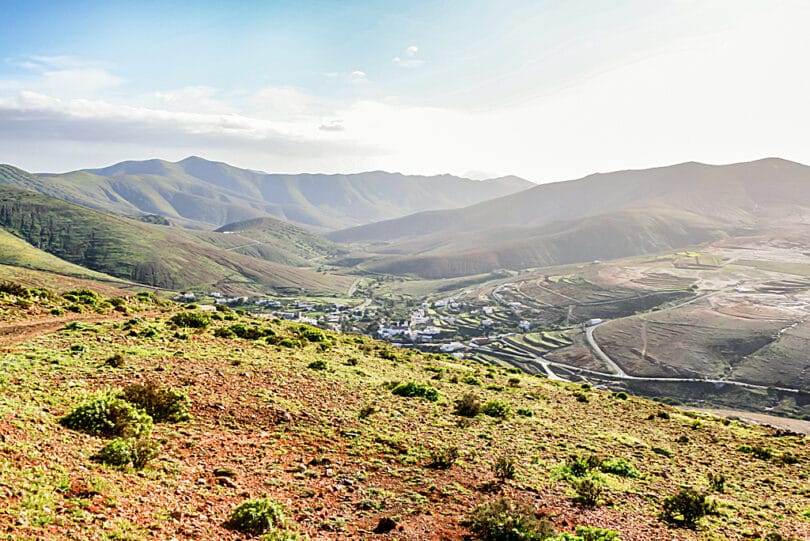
<point x="601" y="354"/>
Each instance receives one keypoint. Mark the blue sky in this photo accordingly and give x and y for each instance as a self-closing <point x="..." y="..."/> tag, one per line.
<point x="547" y="90"/>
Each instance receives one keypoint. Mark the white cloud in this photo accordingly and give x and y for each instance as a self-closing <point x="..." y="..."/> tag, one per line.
<point x="64" y="76"/>
<point x="205" y="99"/>
<point x="332" y="125"/>
<point x="409" y="58"/>
<point x="355" y="76"/>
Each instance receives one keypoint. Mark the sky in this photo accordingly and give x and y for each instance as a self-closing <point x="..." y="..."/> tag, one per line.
<point x="544" y="89"/>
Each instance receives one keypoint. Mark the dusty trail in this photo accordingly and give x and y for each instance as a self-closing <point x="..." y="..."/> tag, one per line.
<point x="15" y="333"/>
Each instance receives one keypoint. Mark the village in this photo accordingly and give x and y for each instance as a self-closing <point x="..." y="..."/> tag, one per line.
<point x="480" y="327"/>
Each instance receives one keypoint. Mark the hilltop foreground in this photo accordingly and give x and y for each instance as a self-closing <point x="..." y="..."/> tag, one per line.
<point x="347" y="437"/>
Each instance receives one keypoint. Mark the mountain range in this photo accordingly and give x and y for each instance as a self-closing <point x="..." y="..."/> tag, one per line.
<point x="200" y="193"/>
<point x="602" y="216"/>
<point x="210" y="220"/>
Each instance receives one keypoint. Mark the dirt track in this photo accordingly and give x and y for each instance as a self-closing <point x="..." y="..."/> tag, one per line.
<point x="794" y="425"/>
<point x="14" y="333"/>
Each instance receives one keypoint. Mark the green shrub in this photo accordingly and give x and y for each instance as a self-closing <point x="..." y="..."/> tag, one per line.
<point x="717" y="481"/>
<point x="13" y="288"/>
<point x="621" y="395"/>
<point x="620" y="467"/>
<point x="224" y="332"/>
<point x="367" y="411"/>
<point x="108" y="416"/>
<point x="786" y="458"/>
<point x="580" y="396"/>
<point x="163" y="405"/>
<point x="443" y="459"/>
<point x="317" y="365"/>
<point x="115" y="452"/>
<point x="507" y="520"/>
<point x="504" y="468"/>
<point x="686" y="507"/>
<point x="496" y="408"/>
<point x="471" y="380"/>
<point x="116" y="361"/>
<point x="525" y="412"/>
<point x="589" y="533"/>
<point x="581" y="465"/>
<point x="82" y="296"/>
<point x="135" y="452"/>
<point x="588" y="489"/>
<point x="758" y="451"/>
<point x="242" y="331"/>
<point x="194" y="320"/>
<point x="312" y="334"/>
<point x="255" y="517"/>
<point x="419" y="390"/>
<point x="389" y="355"/>
<point x="468" y="406"/>
<point x="286" y="342"/>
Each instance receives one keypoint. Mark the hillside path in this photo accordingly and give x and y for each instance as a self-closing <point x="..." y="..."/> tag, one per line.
<point x="14" y="333"/>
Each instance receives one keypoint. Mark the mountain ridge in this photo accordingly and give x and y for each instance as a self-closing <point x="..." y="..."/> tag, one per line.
<point x="209" y="194"/>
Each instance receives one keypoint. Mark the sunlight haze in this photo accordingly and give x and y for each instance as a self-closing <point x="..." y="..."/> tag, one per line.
<point x="544" y="90"/>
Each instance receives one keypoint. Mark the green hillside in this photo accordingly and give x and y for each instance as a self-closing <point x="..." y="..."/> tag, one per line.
<point x="15" y="252"/>
<point x="330" y="436"/>
<point x="273" y="240"/>
<point x="145" y="253"/>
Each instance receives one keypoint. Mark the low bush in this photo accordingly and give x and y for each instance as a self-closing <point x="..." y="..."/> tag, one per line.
<point x="285" y="342"/>
<point x="419" y="390"/>
<point x="588" y="489"/>
<point x="581" y="465"/>
<point x="86" y="297"/>
<point x="443" y="459"/>
<point x="256" y="517"/>
<point x="121" y="452"/>
<point x="108" y="416"/>
<point x="504" y="468"/>
<point x="471" y="380"/>
<point x="13" y="288"/>
<point x="115" y="361"/>
<point x="193" y="320"/>
<point x="163" y="405"/>
<point x="717" y="481"/>
<point x="468" y="406"/>
<point x="685" y="508"/>
<point x="580" y="396"/>
<point x="589" y="533"/>
<point x="508" y="520"/>
<point x="620" y="467"/>
<point x="496" y="408"/>
<point x="312" y="334"/>
<point x="317" y="365"/>
<point x="758" y="451"/>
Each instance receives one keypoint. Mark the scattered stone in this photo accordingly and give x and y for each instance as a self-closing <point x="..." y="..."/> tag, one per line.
<point x="224" y="472"/>
<point x="385" y="525"/>
<point x="226" y="482"/>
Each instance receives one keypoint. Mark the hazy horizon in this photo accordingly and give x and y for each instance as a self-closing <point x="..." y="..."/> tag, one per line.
<point x="547" y="91"/>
